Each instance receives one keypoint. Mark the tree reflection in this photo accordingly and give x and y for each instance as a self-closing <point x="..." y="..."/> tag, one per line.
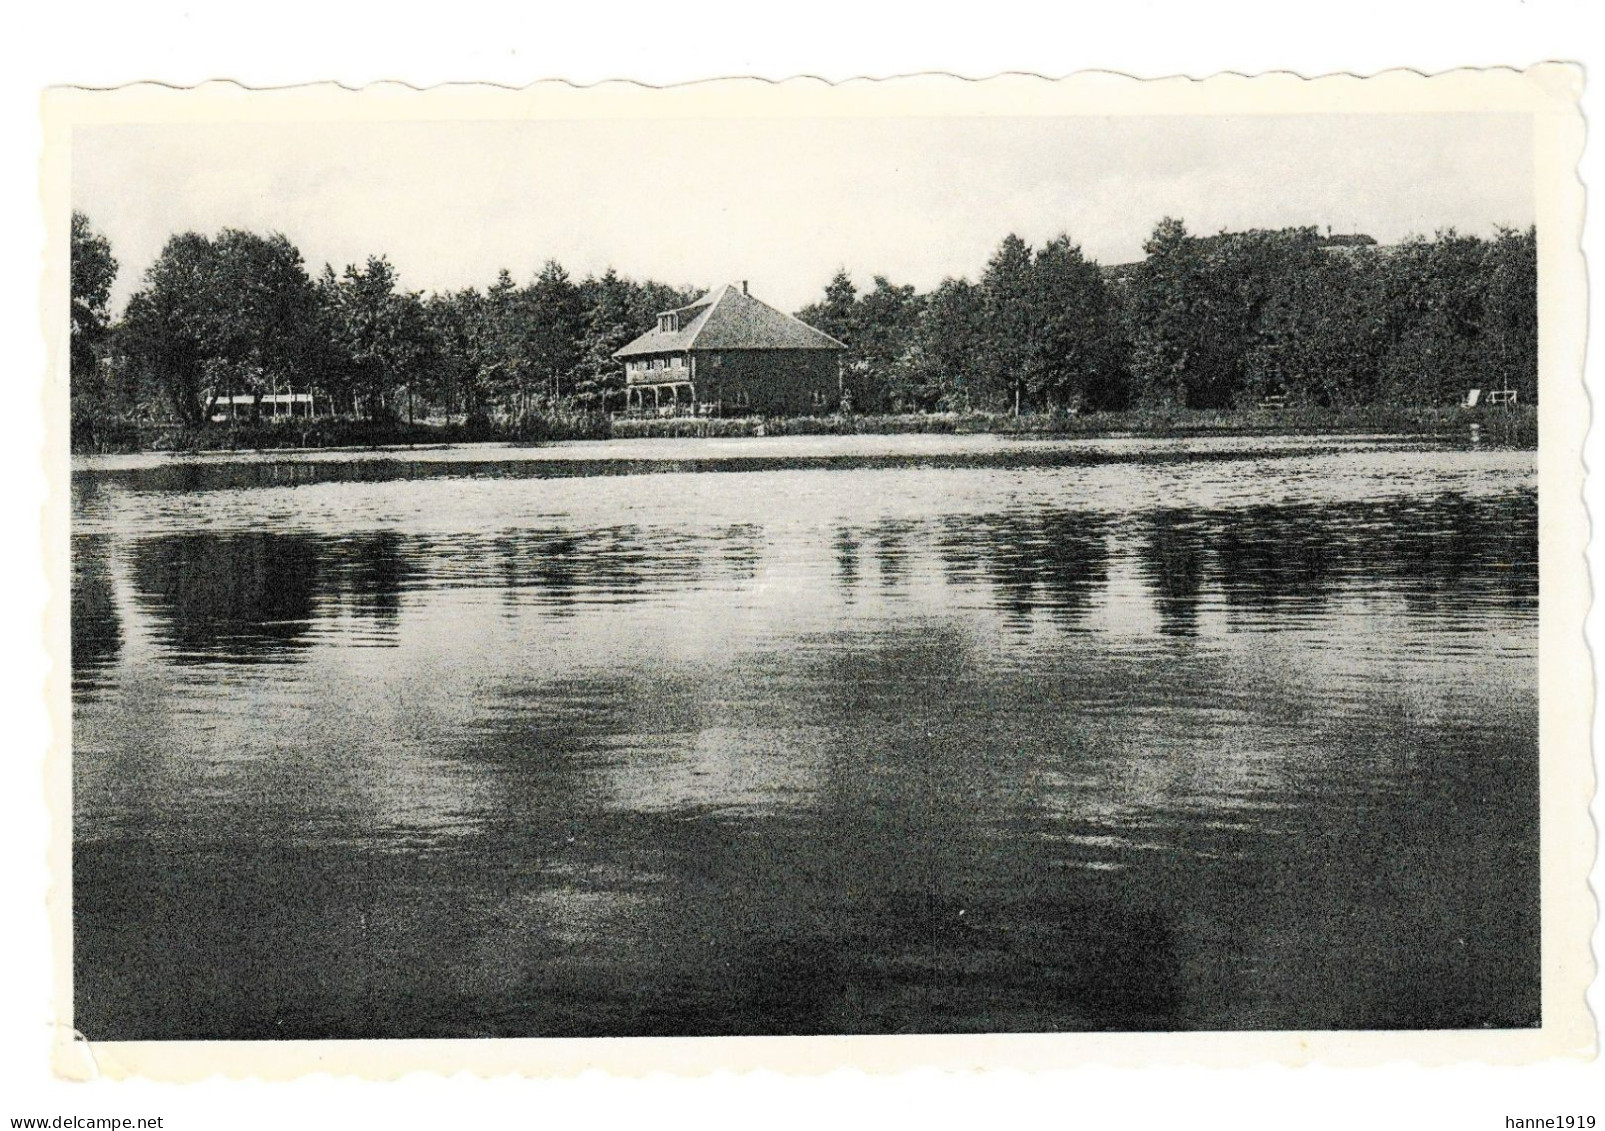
<point x="1055" y="561"/>
<point x="246" y="597"/>
<point x="1438" y="554"/>
<point x="1275" y="555"/>
<point x="847" y="551"/>
<point x="741" y="546"/>
<point x="1173" y="561"/>
<point x="613" y="565"/>
<point x="96" y="629"/>
<point x="892" y="551"/>
<point x="375" y="569"/>
<point x="1474" y="550"/>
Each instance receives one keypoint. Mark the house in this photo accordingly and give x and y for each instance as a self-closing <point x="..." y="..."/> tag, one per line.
<point x="729" y="353"/>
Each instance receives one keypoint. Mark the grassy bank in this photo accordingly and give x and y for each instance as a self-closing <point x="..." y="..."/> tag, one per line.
<point x="330" y="432"/>
<point x="1502" y="427"/>
<point x="1507" y="427"/>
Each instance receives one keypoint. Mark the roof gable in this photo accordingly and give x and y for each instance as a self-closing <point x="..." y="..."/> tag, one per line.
<point x="727" y="318"/>
<point x="671" y="341"/>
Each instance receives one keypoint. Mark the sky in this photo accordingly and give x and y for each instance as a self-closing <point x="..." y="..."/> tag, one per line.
<point x="783" y="204"/>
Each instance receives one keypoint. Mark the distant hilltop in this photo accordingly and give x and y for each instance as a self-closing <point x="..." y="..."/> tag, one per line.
<point x="1339" y="242"/>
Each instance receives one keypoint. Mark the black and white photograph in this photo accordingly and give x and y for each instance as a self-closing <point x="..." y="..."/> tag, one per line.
<point x="711" y="564"/>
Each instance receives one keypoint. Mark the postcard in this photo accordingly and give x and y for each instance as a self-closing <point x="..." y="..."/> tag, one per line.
<point x="923" y="572"/>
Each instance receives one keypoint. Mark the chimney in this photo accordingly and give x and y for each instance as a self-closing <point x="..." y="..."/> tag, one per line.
<point x="743" y="286"/>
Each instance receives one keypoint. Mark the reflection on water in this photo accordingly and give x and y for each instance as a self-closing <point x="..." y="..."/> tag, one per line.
<point x="1119" y="740"/>
<point x="1055" y="560"/>
<point x="1173" y="561"/>
<point x="96" y="632"/>
<point x="228" y="597"/>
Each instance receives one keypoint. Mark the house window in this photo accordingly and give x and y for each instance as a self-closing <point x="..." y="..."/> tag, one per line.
<point x="716" y="360"/>
<point x="675" y="362"/>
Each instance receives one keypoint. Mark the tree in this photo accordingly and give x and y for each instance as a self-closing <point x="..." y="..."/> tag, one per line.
<point x="650" y="298"/>
<point x="1072" y="356"/>
<point x="504" y="364"/>
<point x="1048" y="336"/>
<point x="837" y="315"/>
<point x="266" y="309"/>
<point x="1006" y="344"/>
<point x="93" y="270"/>
<point x="1202" y="321"/>
<point x="1322" y="330"/>
<point x="949" y="347"/>
<point x="609" y="324"/>
<point x="1196" y="309"/>
<point x="1161" y="314"/>
<point x="1510" y="283"/>
<point x="1435" y="295"/>
<point x="169" y="326"/>
<point x="455" y="320"/>
<point x="886" y="321"/>
<point x="1310" y="345"/>
<point x="1237" y="317"/>
<point x="552" y="318"/>
<point x="233" y="314"/>
<point x="383" y="335"/>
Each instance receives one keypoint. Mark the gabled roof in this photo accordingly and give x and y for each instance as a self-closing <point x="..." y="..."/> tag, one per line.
<point x="727" y="318"/>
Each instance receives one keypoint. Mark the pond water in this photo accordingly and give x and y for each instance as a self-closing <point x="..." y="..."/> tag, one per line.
<point x="866" y="735"/>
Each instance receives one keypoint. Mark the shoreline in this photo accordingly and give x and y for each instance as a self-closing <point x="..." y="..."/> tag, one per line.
<point x="1515" y="427"/>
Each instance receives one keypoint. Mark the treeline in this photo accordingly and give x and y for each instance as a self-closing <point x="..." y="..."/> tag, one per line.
<point x="238" y="315"/>
<point x="1203" y="322"/>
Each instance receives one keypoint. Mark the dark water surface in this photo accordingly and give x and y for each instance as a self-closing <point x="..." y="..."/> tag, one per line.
<point x="806" y="736"/>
